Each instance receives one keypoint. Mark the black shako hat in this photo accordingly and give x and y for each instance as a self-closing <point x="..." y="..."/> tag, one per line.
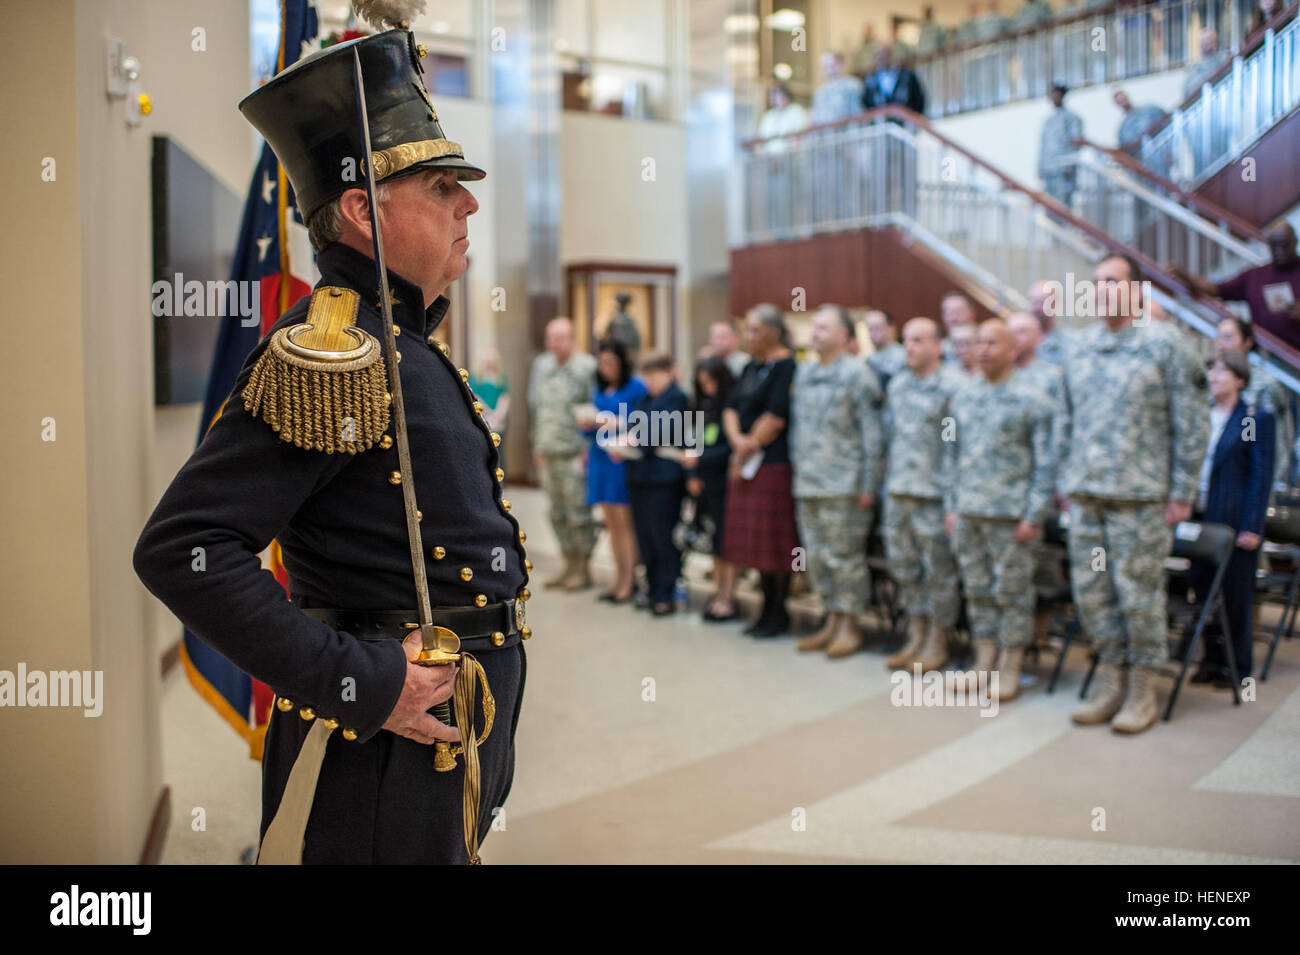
<point x="308" y="114"/>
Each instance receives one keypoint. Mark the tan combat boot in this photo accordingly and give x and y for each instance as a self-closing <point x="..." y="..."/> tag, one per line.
<point x="1009" y="664"/>
<point x="916" y="630"/>
<point x="934" y="652"/>
<point x="986" y="656"/>
<point x="822" y="638"/>
<point x="848" y="640"/>
<point x="1139" y="712"/>
<point x="1112" y="684"/>
<point x="579" y="576"/>
<point x="559" y="578"/>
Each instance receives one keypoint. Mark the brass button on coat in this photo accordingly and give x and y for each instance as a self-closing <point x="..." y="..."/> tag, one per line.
<point x="466" y="574"/>
<point x="349" y="735"/>
<point x="501" y="475"/>
<point x="439" y="553"/>
<point x="307" y="713"/>
<point x="386" y="442"/>
<point x="395" y="477"/>
<point x="498" y="638"/>
<point x="480" y="600"/>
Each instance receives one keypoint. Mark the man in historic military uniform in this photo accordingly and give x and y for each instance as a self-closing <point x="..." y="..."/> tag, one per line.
<point x="1136" y="430"/>
<point x="919" y="553"/>
<point x="999" y="493"/>
<point x="1056" y="150"/>
<point x="835" y="447"/>
<point x="622" y="327"/>
<point x="309" y="451"/>
<point x="561" y="379"/>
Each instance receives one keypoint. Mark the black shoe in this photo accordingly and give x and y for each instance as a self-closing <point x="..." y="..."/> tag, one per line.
<point x="776" y="627"/>
<point x="710" y="617"/>
<point x="760" y="622"/>
<point x="1208" y="673"/>
<point x="1223" y="681"/>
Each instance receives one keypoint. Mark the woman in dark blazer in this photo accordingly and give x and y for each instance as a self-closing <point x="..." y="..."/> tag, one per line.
<point x="1235" y="482"/>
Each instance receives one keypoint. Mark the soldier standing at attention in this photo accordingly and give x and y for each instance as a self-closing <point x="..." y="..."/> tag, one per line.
<point x="1136" y="431"/>
<point x="560" y="380"/>
<point x="836" y="441"/>
<point x="306" y="452"/>
<point x="999" y="494"/>
<point x="920" y="557"/>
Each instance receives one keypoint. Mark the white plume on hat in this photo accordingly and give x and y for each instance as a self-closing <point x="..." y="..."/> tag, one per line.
<point x="389" y="13"/>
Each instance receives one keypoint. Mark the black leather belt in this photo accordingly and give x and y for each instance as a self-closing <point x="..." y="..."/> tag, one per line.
<point x="493" y="627"/>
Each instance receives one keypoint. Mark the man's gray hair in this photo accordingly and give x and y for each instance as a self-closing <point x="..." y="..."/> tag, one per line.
<point x="326" y="223"/>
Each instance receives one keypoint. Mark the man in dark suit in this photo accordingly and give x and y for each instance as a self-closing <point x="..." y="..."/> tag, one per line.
<point x="1235" y="481"/>
<point x="892" y="84"/>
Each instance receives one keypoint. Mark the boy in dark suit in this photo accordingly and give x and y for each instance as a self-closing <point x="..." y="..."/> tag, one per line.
<point x="660" y="427"/>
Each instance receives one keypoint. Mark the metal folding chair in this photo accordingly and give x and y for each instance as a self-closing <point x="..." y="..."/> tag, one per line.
<point x="1282" y="536"/>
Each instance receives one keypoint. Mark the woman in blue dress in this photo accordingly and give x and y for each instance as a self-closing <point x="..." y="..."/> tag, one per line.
<point x="616" y="392"/>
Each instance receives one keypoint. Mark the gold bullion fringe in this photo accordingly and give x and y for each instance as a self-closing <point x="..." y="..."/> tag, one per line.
<point x="471" y="671"/>
<point x="308" y="401"/>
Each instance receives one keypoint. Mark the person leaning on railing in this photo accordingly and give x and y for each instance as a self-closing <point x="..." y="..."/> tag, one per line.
<point x="1271" y="291"/>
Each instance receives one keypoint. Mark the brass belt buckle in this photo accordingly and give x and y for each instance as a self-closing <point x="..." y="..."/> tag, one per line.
<point x="519" y="614"/>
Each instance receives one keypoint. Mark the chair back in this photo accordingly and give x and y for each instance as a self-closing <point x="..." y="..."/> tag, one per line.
<point x="1211" y="543"/>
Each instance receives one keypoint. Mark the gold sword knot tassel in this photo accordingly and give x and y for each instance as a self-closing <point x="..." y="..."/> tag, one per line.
<point x="441" y="647"/>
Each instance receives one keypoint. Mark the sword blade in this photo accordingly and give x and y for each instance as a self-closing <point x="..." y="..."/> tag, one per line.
<point x="394" y="379"/>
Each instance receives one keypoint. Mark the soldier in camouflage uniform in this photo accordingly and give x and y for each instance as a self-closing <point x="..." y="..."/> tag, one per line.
<point x="1056" y="153"/>
<point x="920" y="557"/>
<point x="887" y="357"/>
<point x="1001" y="473"/>
<point x="836" y="440"/>
<point x="1136" y="429"/>
<point x="560" y="379"/>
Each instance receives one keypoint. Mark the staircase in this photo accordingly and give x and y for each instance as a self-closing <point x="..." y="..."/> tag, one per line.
<point x="1235" y="115"/>
<point x="889" y="169"/>
<point x="1091" y="46"/>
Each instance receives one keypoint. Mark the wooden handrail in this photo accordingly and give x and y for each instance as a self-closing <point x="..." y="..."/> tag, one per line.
<point x="1042" y="27"/>
<point x="1153" y="270"/>
<point x="1205" y="207"/>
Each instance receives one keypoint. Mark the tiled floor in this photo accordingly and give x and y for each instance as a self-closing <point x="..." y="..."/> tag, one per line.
<point x="670" y="740"/>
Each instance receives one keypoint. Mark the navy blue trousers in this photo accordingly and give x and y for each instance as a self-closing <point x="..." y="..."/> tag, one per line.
<point x="656" y="508"/>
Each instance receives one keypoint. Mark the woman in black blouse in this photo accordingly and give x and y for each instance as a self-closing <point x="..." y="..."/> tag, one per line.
<point x="706" y="478"/>
<point x="760" y="528"/>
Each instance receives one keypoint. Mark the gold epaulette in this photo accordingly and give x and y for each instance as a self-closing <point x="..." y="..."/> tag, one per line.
<point x="320" y="384"/>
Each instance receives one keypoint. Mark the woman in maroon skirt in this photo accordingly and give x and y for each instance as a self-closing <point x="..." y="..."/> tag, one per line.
<point x="760" y="529"/>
